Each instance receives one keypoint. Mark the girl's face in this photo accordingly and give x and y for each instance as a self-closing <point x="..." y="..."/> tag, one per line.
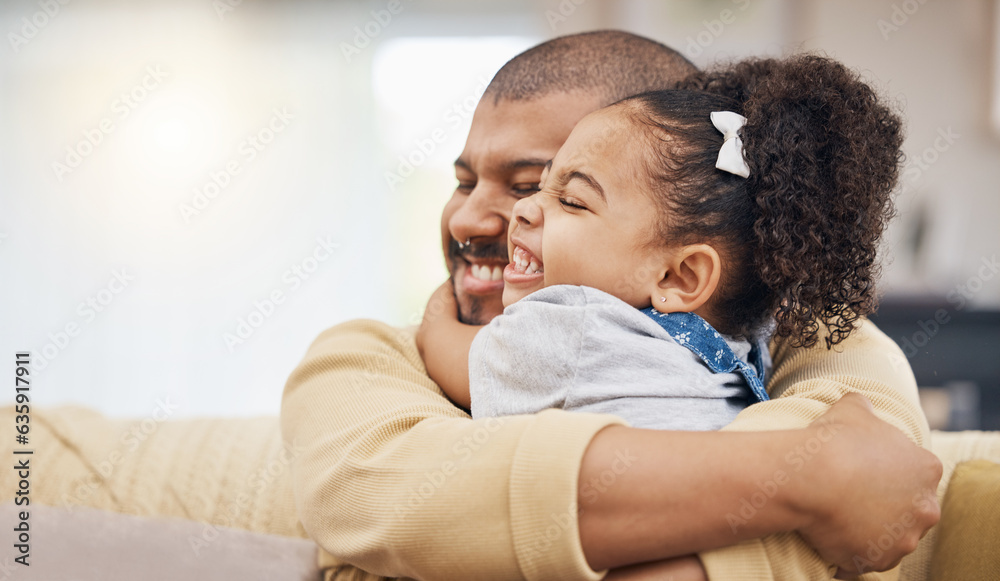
<point x="593" y="221"/>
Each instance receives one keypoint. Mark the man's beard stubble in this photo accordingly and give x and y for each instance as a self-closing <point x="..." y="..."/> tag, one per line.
<point x="470" y="308"/>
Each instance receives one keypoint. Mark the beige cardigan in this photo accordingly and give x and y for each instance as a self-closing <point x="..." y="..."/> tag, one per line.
<point x="373" y="489"/>
<point x="358" y="397"/>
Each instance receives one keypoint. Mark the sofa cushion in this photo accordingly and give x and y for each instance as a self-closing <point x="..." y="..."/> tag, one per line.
<point x="86" y="544"/>
<point x="230" y="472"/>
<point x="968" y="536"/>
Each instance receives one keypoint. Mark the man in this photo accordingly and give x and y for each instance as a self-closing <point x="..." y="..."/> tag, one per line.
<point x="398" y="481"/>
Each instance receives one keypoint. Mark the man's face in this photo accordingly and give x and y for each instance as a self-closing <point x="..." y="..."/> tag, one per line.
<point x="508" y="146"/>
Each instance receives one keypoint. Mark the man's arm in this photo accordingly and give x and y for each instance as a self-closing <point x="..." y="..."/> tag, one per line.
<point x="727" y="487"/>
<point x="395" y="479"/>
<point x="805" y="384"/>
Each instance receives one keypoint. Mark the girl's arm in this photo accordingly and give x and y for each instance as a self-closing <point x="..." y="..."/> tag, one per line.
<point x="444" y="344"/>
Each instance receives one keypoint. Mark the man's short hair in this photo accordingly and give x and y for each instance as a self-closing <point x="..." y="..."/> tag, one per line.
<point x="609" y="63"/>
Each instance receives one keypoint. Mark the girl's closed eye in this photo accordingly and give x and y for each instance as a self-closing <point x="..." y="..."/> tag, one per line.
<point x="571" y="203"/>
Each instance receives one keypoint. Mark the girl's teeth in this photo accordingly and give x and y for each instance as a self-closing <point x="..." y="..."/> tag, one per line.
<point x="524" y="263"/>
<point x="497" y="273"/>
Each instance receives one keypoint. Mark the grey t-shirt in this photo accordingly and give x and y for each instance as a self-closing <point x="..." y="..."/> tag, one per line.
<point x="578" y="348"/>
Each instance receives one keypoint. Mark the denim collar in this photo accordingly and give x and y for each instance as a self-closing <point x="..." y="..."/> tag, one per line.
<point x="694" y="332"/>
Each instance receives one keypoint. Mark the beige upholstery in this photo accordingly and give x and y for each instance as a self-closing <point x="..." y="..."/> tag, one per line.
<point x="222" y="472"/>
<point x="85" y="544"/>
<point x="952" y="448"/>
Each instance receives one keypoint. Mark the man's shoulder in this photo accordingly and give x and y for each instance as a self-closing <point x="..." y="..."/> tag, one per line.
<point x="365" y="335"/>
<point x="865" y="336"/>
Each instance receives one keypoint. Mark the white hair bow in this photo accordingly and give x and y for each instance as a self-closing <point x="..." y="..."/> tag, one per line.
<point x="731" y="153"/>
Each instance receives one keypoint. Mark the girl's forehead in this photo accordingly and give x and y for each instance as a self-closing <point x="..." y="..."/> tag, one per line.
<point x="602" y="132"/>
<point x="607" y="148"/>
<point x="611" y="120"/>
<point x="607" y="141"/>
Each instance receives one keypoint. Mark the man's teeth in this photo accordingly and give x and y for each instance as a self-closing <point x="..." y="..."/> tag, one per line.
<point x="485" y="272"/>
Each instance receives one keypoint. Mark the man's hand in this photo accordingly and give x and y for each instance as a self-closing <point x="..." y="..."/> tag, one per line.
<point x="871" y="493"/>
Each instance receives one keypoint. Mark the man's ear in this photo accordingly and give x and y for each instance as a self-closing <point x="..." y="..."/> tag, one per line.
<point x="691" y="279"/>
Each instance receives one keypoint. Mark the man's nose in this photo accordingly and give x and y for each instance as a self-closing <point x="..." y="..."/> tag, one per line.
<point x="527" y="212"/>
<point x="484" y="214"/>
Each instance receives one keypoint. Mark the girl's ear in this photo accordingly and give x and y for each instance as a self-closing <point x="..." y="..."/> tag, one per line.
<point x="690" y="280"/>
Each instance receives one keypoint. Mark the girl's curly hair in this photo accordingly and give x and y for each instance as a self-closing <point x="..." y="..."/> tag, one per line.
<point x="799" y="237"/>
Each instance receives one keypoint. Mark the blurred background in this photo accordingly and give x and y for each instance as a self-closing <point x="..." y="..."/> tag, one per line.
<point x="192" y="190"/>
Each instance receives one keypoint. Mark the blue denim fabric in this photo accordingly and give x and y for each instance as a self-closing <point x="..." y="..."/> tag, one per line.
<point x="694" y="332"/>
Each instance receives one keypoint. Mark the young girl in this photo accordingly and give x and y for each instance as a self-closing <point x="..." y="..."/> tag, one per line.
<point x="675" y="232"/>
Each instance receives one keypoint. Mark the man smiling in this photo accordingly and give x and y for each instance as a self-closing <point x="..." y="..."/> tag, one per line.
<point x="397" y="480"/>
<point x="508" y="146"/>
